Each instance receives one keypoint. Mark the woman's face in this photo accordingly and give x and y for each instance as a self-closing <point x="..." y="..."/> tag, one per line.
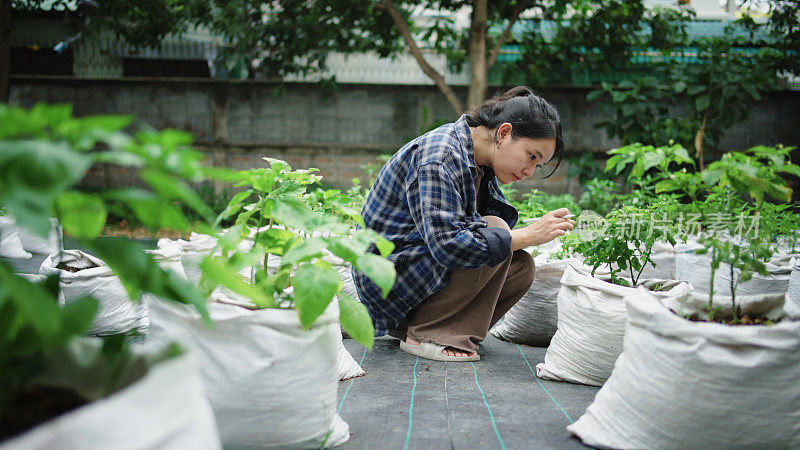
<point x="516" y="159"/>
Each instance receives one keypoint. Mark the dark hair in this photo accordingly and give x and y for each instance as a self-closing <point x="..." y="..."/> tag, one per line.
<point x="531" y="116"/>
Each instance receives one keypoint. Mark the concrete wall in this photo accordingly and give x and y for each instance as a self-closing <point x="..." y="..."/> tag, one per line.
<point x="239" y="122"/>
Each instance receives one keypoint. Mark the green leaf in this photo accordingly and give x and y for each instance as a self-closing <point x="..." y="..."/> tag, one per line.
<point x="38" y="308"/>
<point x="711" y="176"/>
<point x="304" y="251"/>
<point x="276" y="241"/>
<point x="78" y="316"/>
<point x="791" y="169"/>
<point x="379" y="270"/>
<point x="32" y="175"/>
<point x="346" y="248"/>
<point x="613" y="162"/>
<point x="139" y="273"/>
<point x="702" y="103"/>
<point x="594" y="95"/>
<point x="385" y="246"/>
<point x="81" y="215"/>
<point x="109" y="123"/>
<point x="218" y="271"/>
<point x="172" y="188"/>
<point x="234" y="205"/>
<point x="652" y="159"/>
<point x="293" y="213"/>
<point x="666" y="186"/>
<point x="356" y="321"/>
<point x="314" y="288"/>
<point x="153" y="211"/>
<point x="278" y="165"/>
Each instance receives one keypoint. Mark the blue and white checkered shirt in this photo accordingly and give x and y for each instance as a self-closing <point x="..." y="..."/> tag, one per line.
<point x="424" y="201"/>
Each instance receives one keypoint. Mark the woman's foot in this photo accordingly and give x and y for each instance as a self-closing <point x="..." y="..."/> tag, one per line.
<point x="448" y="351"/>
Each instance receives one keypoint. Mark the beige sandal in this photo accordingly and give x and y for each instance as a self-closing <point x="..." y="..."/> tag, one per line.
<point x="429" y="350"/>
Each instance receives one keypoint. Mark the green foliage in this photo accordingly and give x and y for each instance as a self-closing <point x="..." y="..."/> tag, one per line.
<point x="753" y="173"/>
<point x="596" y="38"/>
<point x="585" y="168"/>
<point x="642" y="158"/>
<point x="44" y="153"/>
<point x="624" y="242"/>
<point x="600" y="196"/>
<point x="691" y="102"/>
<point x="302" y="227"/>
<point x="536" y="203"/>
<point x="740" y="261"/>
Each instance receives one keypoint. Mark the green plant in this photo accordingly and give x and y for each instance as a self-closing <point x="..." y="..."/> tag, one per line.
<point x="274" y="203"/>
<point x="599" y="196"/>
<point x="536" y="203"/>
<point x="624" y="242"/>
<point x="585" y="168"/>
<point x="371" y="170"/>
<point x="691" y="102"/>
<point x="642" y="158"/>
<point x="753" y="173"/>
<point x="741" y="262"/>
<point x="44" y="153"/>
<point x="779" y="225"/>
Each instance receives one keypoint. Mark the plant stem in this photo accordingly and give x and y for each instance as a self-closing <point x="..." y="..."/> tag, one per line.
<point x="733" y="295"/>
<point x="714" y="255"/>
<point x="266" y="254"/>
<point x="646" y="258"/>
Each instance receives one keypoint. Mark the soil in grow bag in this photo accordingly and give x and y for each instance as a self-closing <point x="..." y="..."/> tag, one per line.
<point x="35" y="405"/>
<point x="63" y="266"/>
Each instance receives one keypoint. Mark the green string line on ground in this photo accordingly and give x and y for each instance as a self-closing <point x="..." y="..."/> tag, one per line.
<point x="491" y="416"/>
<point x="542" y="386"/>
<point x="411" y="406"/>
<point x="351" y="383"/>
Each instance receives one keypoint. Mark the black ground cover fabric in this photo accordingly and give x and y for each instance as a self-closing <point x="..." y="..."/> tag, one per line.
<point x="496" y="402"/>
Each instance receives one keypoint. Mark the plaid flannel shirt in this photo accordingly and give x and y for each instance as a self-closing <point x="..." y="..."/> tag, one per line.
<point x="424" y="201"/>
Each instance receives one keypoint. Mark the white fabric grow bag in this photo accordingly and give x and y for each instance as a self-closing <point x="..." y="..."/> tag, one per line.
<point x="346" y="366"/>
<point x="168" y="256"/>
<point x="591" y="325"/>
<point x="10" y="243"/>
<point x="166" y="409"/>
<point x="696" y="269"/>
<point x="663" y="255"/>
<point x="116" y="313"/>
<point x="534" y="318"/>
<point x="681" y="384"/>
<point x="38" y="244"/>
<point x="794" y="283"/>
<point x="192" y="253"/>
<point x="271" y="383"/>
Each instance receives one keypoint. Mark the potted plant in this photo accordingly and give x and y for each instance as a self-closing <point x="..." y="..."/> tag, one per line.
<point x="708" y="370"/>
<point x="272" y="281"/>
<point x="591" y="311"/>
<point x="690" y="361"/>
<point x="60" y="389"/>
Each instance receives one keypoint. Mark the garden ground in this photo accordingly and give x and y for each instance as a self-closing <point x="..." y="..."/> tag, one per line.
<point x="409" y="402"/>
<point x="498" y="402"/>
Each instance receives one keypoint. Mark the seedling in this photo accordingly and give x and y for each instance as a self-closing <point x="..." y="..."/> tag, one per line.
<point x="275" y="202"/>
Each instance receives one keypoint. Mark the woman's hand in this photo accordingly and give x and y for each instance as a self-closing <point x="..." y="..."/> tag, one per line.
<point x="548" y="227"/>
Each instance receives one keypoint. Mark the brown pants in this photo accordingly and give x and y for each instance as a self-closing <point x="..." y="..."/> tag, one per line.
<point x="461" y="314"/>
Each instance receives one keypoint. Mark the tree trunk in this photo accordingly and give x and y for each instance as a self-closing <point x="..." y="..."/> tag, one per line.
<point x="477" y="54"/>
<point x="5" y="49"/>
<point x="405" y="31"/>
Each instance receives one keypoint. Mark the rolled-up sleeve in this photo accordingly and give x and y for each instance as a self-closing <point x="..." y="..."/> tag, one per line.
<point x="454" y="240"/>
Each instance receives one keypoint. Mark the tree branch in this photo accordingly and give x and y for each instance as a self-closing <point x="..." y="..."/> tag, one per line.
<point x="405" y="31"/>
<point x="522" y="5"/>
